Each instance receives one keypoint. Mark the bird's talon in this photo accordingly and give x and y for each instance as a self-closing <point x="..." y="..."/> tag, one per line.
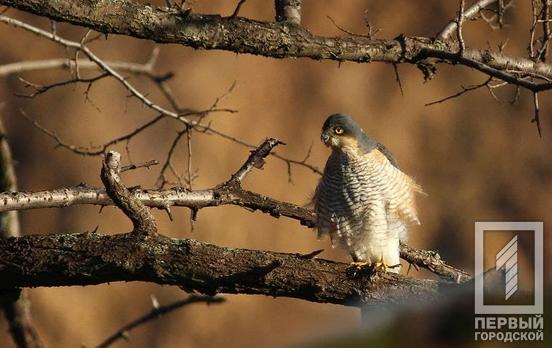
<point x="359" y="268"/>
<point x="360" y="264"/>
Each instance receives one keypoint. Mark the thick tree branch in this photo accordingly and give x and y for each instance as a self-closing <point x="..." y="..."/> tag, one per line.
<point x="276" y="40"/>
<point x="92" y="258"/>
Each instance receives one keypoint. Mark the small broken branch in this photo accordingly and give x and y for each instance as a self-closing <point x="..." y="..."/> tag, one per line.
<point x="256" y="159"/>
<point x="142" y="219"/>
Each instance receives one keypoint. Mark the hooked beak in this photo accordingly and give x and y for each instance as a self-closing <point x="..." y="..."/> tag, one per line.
<point x="325" y="139"/>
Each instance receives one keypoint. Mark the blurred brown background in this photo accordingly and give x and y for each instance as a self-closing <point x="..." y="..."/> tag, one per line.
<point x="478" y="159"/>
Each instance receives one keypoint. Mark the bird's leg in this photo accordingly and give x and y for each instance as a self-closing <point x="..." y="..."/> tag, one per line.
<point x="359" y="262"/>
<point x="381" y="265"/>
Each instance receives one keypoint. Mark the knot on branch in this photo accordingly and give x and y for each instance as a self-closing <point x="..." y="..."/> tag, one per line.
<point x="141" y="217"/>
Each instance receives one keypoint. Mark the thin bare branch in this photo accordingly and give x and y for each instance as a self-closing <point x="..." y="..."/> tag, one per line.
<point x="469" y="13"/>
<point x="237" y="9"/>
<point x="255" y="160"/>
<point x="179" y="115"/>
<point x="462" y="92"/>
<point x="155" y="313"/>
<point x="459" y="34"/>
<point x="65" y="63"/>
<point x="536" y="117"/>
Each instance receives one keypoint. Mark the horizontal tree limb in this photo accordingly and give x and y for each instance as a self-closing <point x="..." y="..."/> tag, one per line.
<point x="225" y="194"/>
<point x="162" y="199"/>
<point x="277" y="40"/>
<point x="92" y="258"/>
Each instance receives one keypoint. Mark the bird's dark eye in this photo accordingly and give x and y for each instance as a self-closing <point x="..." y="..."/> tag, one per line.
<point x="338" y="130"/>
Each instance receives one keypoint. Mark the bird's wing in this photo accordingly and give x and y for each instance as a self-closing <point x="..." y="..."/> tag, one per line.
<point x="388" y="154"/>
<point x="324" y="224"/>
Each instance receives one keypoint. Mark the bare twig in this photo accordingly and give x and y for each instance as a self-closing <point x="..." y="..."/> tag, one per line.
<point x="536" y="118"/>
<point x="460" y="21"/>
<point x="39" y="89"/>
<point x="155" y="313"/>
<point x="462" y="92"/>
<point x="237" y="9"/>
<point x="179" y="114"/>
<point x="190" y="156"/>
<point x="398" y="78"/>
<point x="541" y="15"/>
<point x="255" y="160"/>
<point x="470" y="12"/>
<point x="546" y="32"/>
<point x="66" y="63"/>
<point x="133" y="166"/>
<point x="368" y="36"/>
<point x="168" y="165"/>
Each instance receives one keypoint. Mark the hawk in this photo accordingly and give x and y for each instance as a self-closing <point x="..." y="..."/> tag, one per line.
<point x="363" y="201"/>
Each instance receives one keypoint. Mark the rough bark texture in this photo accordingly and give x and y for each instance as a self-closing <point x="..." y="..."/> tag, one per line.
<point x="92" y="258"/>
<point x="277" y="40"/>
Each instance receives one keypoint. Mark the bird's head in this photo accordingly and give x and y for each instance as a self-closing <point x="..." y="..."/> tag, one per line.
<point x="341" y="132"/>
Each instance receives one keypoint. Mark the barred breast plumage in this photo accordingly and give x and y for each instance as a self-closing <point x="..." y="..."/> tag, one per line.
<point x="365" y="203"/>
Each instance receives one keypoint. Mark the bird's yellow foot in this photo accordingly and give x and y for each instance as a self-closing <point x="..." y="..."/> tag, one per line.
<point x="361" y="264"/>
<point x="382" y="266"/>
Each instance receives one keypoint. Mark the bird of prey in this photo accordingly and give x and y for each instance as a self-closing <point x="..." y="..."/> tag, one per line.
<point x="363" y="201"/>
